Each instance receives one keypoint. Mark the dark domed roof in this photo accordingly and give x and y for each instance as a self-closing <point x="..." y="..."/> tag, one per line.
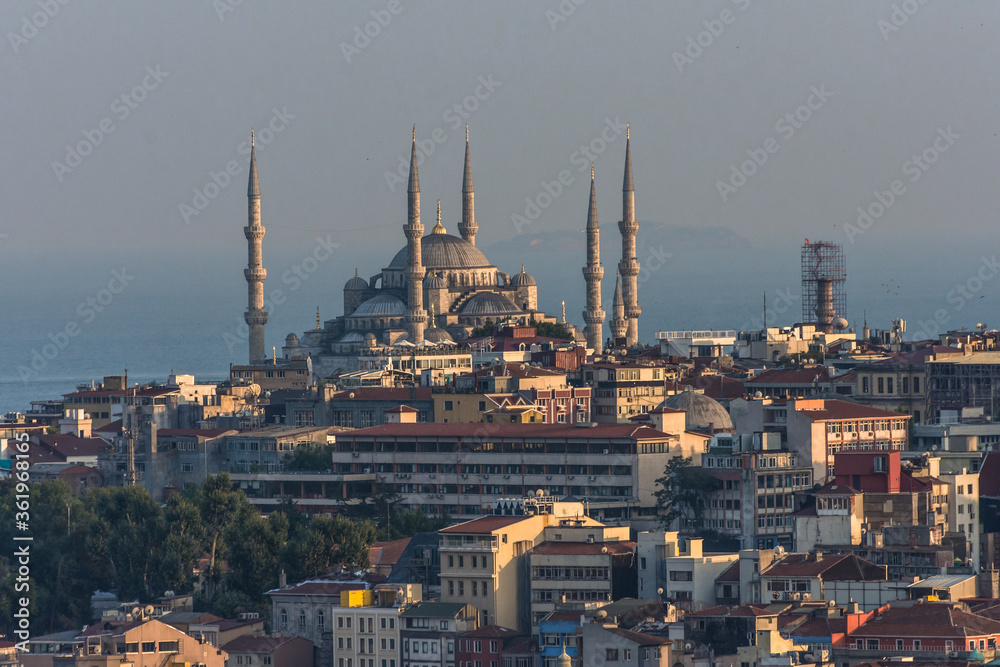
<point x="489" y="304"/>
<point x="522" y="279"/>
<point x="701" y="410"/>
<point x="444" y="251"/>
<point x="383" y="305"/>
<point x="434" y="281"/>
<point x="356" y="282"/>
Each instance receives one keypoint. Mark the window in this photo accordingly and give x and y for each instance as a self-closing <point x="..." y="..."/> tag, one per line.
<point x="302" y="619"/>
<point x="881" y="385"/>
<point x="611" y="654"/>
<point x="916" y="644"/>
<point x="320" y="619"/>
<point x="170" y="647"/>
<point x="449" y="405"/>
<point x="149" y="647"/>
<point x="284" y="618"/>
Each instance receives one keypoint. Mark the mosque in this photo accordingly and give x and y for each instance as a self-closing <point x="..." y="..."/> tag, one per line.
<point x="436" y="288"/>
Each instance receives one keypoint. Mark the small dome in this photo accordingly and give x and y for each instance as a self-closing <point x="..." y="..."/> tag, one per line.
<point x="522" y="279"/>
<point x="356" y="283"/>
<point x="383" y="305"/>
<point x="436" y="335"/>
<point x="291" y="340"/>
<point x="489" y="304"/>
<point x="435" y="281"/>
<point x="701" y="410"/>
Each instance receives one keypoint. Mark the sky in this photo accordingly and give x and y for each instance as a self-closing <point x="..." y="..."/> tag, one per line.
<point x="754" y="126"/>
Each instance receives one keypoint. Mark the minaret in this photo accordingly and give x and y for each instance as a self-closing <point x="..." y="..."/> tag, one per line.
<point x="629" y="266"/>
<point x="256" y="316"/>
<point x="619" y="325"/>
<point x="415" y="315"/>
<point x="593" y="273"/>
<point x="468" y="227"/>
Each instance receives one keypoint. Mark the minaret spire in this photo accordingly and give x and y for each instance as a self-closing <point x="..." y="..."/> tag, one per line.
<point x="255" y="273"/>
<point x="593" y="273"/>
<point x="629" y="265"/>
<point x="619" y="325"/>
<point x="468" y="227"/>
<point x="416" y="317"/>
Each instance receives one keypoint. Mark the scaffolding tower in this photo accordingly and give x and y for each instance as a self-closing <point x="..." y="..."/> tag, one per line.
<point x="824" y="275"/>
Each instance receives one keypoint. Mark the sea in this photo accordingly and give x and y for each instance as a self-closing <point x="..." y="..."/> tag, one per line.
<point x="65" y="328"/>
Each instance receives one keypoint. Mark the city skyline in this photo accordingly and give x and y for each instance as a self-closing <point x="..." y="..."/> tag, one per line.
<point x="752" y="129"/>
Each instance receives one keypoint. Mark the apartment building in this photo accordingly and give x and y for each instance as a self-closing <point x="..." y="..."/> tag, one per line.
<point x="623" y="391"/>
<point x="579" y="565"/>
<point x="816" y="429"/>
<point x="456" y="469"/>
<point x="679" y="569"/>
<point x="899" y="383"/>
<point x="760" y="481"/>
<point x="430" y="632"/>
<point x="482" y="557"/>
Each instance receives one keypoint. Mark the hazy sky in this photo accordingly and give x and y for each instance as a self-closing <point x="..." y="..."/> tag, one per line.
<point x="117" y="115"/>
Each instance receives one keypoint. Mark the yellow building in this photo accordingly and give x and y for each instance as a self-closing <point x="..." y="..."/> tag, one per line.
<point x="471" y="408"/>
<point x="482" y="557"/>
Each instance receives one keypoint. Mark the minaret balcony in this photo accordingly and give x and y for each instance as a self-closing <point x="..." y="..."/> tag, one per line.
<point x="255" y="275"/>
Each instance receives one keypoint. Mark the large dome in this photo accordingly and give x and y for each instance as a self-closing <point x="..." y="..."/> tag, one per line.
<point x="383" y="305"/>
<point x="490" y="304"/>
<point x="700" y="410"/>
<point x="444" y="251"/>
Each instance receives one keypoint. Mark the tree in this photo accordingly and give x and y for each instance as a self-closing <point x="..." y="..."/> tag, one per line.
<point x="551" y="330"/>
<point x="183" y="544"/>
<point x="220" y="504"/>
<point x="309" y="456"/>
<point x="682" y="492"/>
<point x="407" y="523"/>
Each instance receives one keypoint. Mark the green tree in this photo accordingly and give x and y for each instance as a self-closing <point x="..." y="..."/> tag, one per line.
<point x="183" y="544"/>
<point x="407" y="523"/>
<point x="552" y="330"/>
<point x="682" y="491"/>
<point x="309" y="456"/>
<point x="220" y="504"/>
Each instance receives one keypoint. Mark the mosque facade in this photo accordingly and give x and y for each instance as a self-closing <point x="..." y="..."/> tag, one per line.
<point x="437" y="288"/>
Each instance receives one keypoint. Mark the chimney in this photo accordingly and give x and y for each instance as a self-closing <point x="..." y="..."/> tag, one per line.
<point x="282" y="579"/>
<point x="819" y="556"/>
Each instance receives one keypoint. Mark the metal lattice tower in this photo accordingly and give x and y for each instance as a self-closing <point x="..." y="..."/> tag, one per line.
<point x="824" y="274"/>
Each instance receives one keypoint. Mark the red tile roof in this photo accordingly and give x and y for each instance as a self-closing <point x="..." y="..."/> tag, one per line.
<point x="67" y="445"/>
<point x="484" y="524"/>
<point x="802" y="565"/>
<point x="584" y="548"/>
<point x="928" y="621"/>
<point x="491" y="631"/>
<point x="834" y="409"/>
<point x="831" y="489"/>
<point x="731" y="573"/>
<point x="387" y="553"/>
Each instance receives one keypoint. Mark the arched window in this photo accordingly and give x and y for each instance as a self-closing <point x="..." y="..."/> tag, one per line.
<point x="302" y="619"/>
<point x="320" y="619"/>
<point x="284" y="618"/>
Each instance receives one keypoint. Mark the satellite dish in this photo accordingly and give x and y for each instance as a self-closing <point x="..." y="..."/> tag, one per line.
<point x="659" y="591"/>
<point x="148" y="610"/>
<point x="136" y="611"/>
<point x="601" y="615"/>
<point x="839" y="323"/>
<point x="604" y="550"/>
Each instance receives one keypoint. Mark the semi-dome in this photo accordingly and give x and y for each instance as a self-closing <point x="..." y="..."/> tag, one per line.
<point x="489" y="304"/>
<point x="383" y="305"/>
<point x="435" y="281"/>
<point x="522" y="279"/>
<point x="351" y="337"/>
<point x="356" y="283"/>
<point x="701" y="411"/>
<point x="444" y="251"/>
